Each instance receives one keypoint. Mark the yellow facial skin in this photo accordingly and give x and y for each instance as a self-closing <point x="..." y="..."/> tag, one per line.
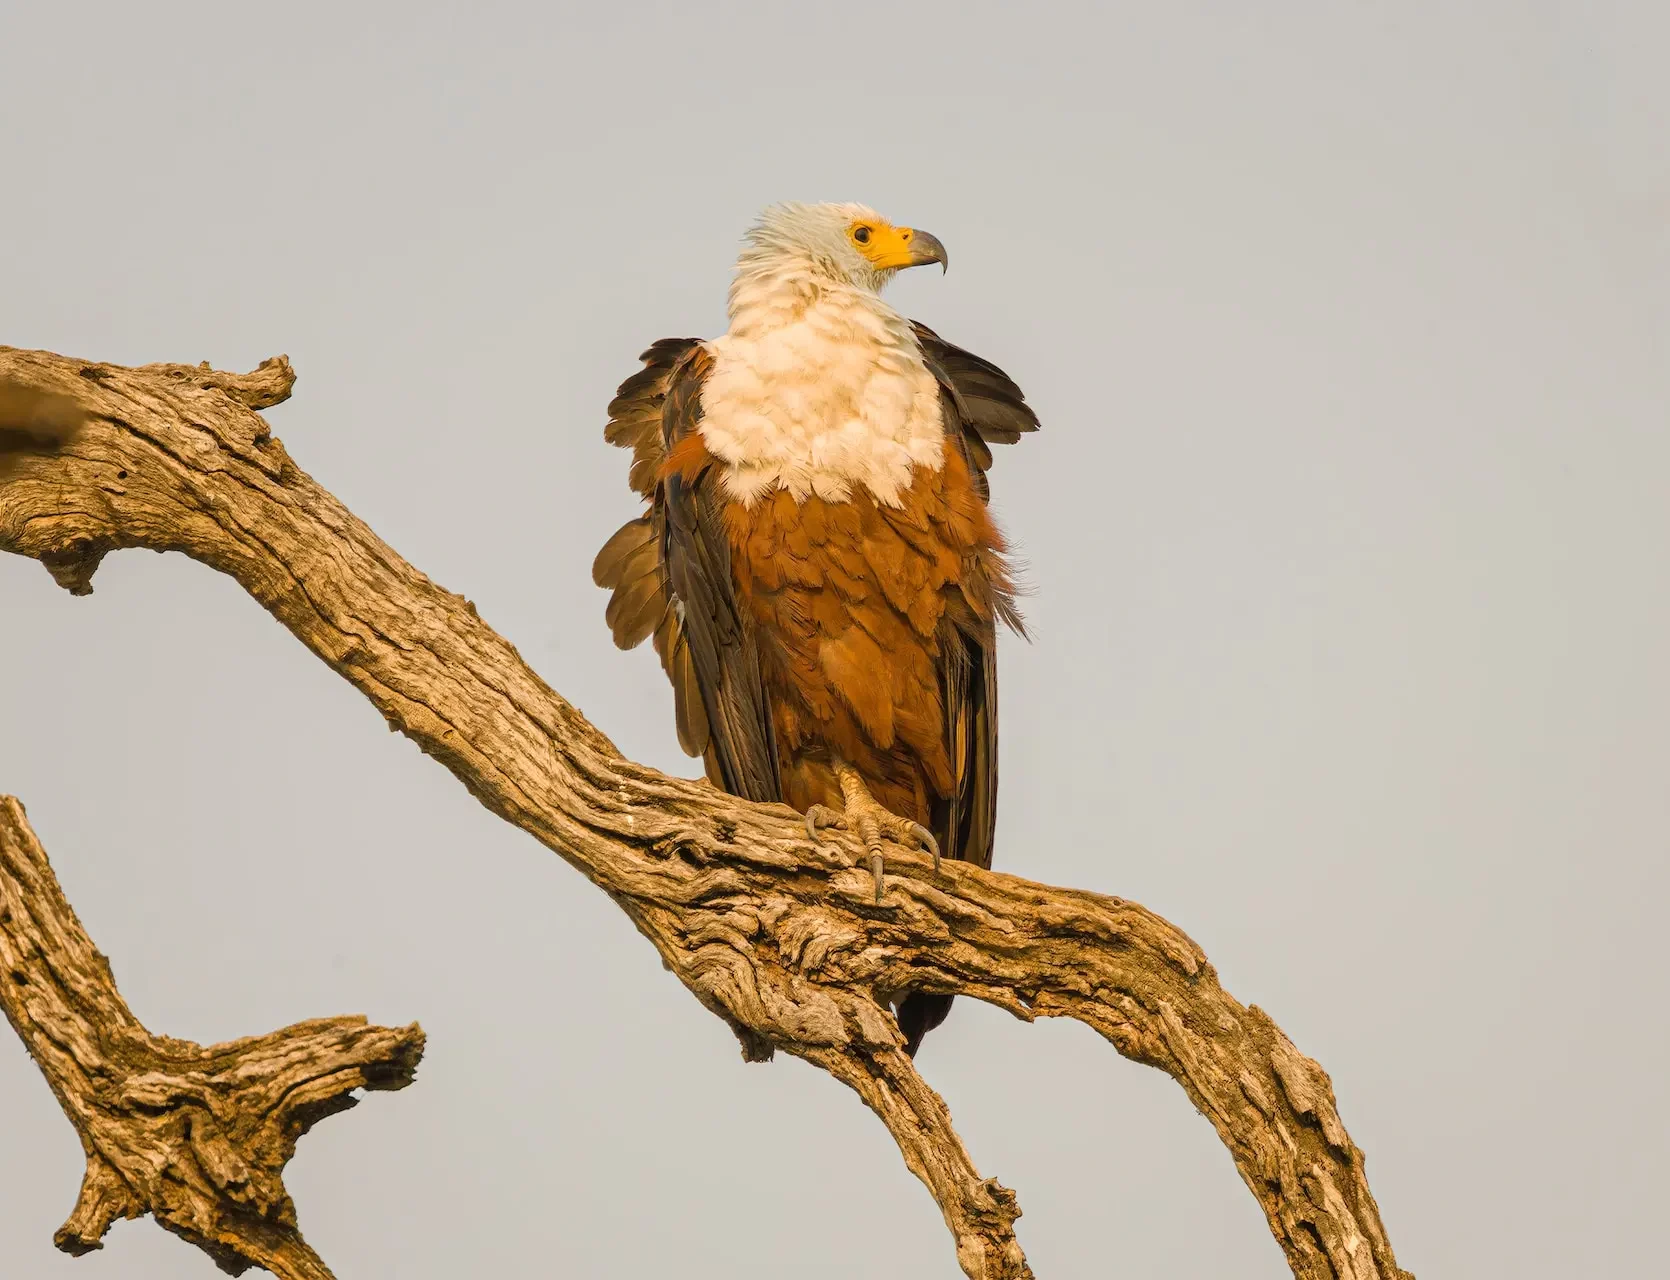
<point x="890" y="248"/>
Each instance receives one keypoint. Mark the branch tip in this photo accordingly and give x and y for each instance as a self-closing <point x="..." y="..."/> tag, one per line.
<point x="73" y="569"/>
<point x="103" y="1199"/>
<point x="269" y="383"/>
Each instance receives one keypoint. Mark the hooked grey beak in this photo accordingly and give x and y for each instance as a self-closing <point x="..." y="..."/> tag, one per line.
<point x="925" y="247"/>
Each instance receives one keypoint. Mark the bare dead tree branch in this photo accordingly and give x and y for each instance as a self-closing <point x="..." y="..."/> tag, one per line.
<point x="196" y="1137"/>
<point x="779" y="937"/>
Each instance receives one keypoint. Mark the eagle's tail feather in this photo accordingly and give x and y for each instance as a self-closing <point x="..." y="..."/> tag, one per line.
<point x="919" y="1013"/>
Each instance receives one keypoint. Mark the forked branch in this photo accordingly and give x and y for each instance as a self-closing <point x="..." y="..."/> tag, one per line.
<point x="196" y="1137"/>
<point x="779" y="937"/>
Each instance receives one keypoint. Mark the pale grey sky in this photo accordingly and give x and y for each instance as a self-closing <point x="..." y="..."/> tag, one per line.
<point x="1349" y="326"/>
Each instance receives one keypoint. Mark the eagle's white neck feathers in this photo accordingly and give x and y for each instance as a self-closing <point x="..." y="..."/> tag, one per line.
<point x="818" y="387"/>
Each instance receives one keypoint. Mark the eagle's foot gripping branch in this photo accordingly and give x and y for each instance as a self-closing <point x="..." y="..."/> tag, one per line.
<point x="863" y="815"/>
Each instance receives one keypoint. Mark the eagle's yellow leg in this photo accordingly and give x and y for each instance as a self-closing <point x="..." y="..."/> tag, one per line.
<point x="862" y="814"/>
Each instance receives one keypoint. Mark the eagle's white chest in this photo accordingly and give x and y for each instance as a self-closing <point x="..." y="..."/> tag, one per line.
<point x="821" y="398"/>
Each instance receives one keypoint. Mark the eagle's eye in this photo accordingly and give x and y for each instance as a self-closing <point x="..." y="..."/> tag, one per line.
<point x="861" y="234"/>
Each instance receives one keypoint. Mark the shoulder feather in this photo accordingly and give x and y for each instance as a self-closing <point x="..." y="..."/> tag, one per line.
<point x="981" y="401"/>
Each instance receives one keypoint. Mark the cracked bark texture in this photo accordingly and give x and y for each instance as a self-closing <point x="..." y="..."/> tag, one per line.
<point x="197" y="1137"/>
<point x="779" y="937"/>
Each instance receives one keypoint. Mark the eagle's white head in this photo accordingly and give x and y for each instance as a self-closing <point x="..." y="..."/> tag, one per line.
<point x="833" y="244"/>
<point x="818" y="386"/>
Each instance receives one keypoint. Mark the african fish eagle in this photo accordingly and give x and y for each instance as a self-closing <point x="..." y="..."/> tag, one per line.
<point x="817" y="564"/>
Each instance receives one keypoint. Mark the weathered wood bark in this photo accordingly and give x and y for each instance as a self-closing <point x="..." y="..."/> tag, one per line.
<point x="778" y="936"/>
<point x="196" y="1137"/>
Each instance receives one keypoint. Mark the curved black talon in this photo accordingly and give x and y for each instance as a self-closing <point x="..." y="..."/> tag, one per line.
<point x="928" y="842"/>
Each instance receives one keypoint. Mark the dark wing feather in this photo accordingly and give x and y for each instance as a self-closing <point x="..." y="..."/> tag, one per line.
<point x="630" y="563"/>
<point x="670" y="574"/>
<point x="977" y="397"/>
<point x="968" y="682"/>
<point x="718" y="634"/>
<point x="964" y="822"/>
<point x="981" y="406"/>
<point x="635" y="412"/>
